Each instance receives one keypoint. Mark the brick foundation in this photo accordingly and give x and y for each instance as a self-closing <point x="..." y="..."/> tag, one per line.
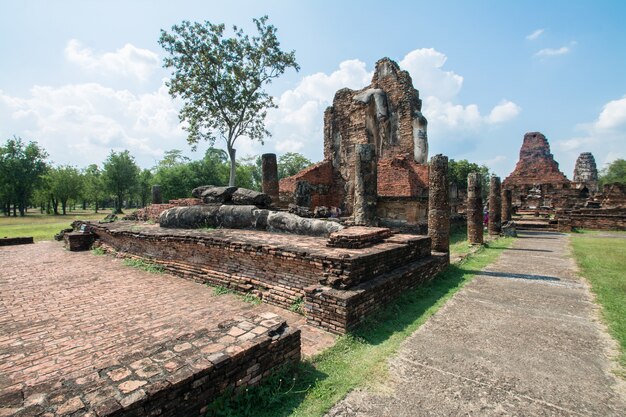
<point x="178" y="378"/>
<point x="10" y="241"/>
<point x="592" y="219"/>
<point x="282" y="268"/>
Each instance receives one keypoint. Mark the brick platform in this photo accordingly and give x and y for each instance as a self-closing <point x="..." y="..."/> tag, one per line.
<point x="10" y="241"/>
<point x="81" y="333"/>
<point x="285" y="269"/>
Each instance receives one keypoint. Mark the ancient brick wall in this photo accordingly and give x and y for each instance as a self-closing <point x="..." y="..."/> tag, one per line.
<point x="613" y="195"/>
<point x="153" y="211"/>
<point x="405" y="209"/>
<point x="593" y="219"/>
<point x="320" y="178"/>
<point x="9" y="241"/>
<point x="178" y="378"/>
<point x="278" y="268"/>
<point x="341" y="311"/>
<point x="385" y="114"/>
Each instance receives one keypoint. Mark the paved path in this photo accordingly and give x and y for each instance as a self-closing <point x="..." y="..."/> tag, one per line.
<point x="63" y="314"/>
<point x="522" y="339"/>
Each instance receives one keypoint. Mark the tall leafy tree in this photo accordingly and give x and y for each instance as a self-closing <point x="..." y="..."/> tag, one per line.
<point x="144" y="186"/>
<point x="65" y="183"/>
<point x="614" y="172"/>
<point x="93" y="187"/>
<point x="21" y="166"/>
<point x="291" y="163"/>
<point x="221" y="80"/>
<point x="120" y="175"/>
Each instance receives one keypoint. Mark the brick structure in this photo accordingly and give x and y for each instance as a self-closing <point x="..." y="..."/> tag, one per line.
<point x="10" y="241"/>
<point x="474" y="209"/>
<point x="78" y="241"/>
<point x="537" y="181"/>
<point x="365" y="185"/>
<point x="156" y="195"/>
<point x="386" y="115"/>
<point x="592" y="219"/>
<point x="439" y="204"/>
<point x="586" y="173"/>
<point x="338" y="277"/>
<point x="613" y="195"/>
<point x="153" y="211"/>
<point x="507" y="204"/>
<point x="269" y="176"/>
<point x="495" y="206"/>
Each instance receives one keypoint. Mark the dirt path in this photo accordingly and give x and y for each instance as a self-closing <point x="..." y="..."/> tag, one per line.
<point x="522" y="339"/>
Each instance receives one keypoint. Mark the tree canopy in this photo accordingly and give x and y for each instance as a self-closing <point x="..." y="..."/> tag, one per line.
<point x="291" y="163"/>
<point x="614" y="172"/>
<point x="120" y="176"/>
<point x="221" y="80"/>
<point x="21" y="168"/>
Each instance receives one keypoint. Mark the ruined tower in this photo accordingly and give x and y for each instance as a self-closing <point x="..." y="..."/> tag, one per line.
<point x="586" y="172"/>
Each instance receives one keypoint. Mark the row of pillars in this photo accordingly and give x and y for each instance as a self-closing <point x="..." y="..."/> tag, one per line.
<point x="500" y="203"/>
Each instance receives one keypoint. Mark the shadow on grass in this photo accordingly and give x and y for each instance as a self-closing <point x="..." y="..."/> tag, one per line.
<point x="397" y="316"/>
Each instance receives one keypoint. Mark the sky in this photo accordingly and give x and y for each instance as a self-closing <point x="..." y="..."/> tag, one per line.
<point x="83" y="78"/>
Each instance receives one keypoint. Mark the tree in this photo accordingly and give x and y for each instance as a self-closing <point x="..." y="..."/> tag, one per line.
<point x="144" y="186"/>
<point x="120" y="176"/>
<point x="291" y="163"/>
<point x="65" y="183"/>
<point x="94" y="189"/>
<point x="221" y="80"/>
<point x="172" y="158"/>
<point x="21" y="166"/>
<point x="614" y="172"/>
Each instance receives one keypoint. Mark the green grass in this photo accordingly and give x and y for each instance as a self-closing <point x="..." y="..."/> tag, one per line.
<point x="458" y="241"/>
<point x="43" y="226"/>
<point x="248" y="298"/>
<point x="360" y="358"/>
<point x="603" y="262"/>
<point x="144" y="265"/>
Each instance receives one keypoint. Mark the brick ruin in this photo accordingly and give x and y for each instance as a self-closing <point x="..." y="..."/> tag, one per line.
<point x="387" y="116"/>
<point x="538" y="186"/>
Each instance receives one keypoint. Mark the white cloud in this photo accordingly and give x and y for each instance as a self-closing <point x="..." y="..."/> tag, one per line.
<point x="613" y="114"/>
<point x="535" y="35"/>
<point x="603" y="137"/>
<point x="297" y="124"/>
<point x="128" y="61"/>
<point x="425" y="66"/>
<point x="549" y="52"/>
<point x="79" y="124"/>
<point x="503" y="112"/>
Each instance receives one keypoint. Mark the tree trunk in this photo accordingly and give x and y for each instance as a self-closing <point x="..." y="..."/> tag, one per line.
<point x="14" y="210"/>
<point x="96" y="204"/>
<point x="63" y="205"/>
<point x="231" y="153"/>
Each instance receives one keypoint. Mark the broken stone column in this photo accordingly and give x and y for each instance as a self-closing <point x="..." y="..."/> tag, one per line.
<point x="302" y="194"/>
<point x="474" y="209"/>
<point x="156" y="195"/>
<point x="269" y="176"/>
<point x="365" y="185"/>
<point x="507" y="204"/>
<point x="439" y="204"/>
<point x="495" y="206"/>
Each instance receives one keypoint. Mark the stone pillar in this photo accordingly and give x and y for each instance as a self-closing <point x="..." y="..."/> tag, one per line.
<point x="507" y="204"/>
<point x="439" y="204"/>
<point x="474" y="209"/>
<point x="156" y="194"/>
<point x="495" y="206"/>
<point x="302" y="195"/>
<point x="269" y="175"/>
<point x="365" y="185"/>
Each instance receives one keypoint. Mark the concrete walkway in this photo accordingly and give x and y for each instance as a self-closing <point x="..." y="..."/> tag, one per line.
<point x="522" y="339"/>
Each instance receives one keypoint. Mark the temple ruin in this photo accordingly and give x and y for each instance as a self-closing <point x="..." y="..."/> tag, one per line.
<point x="539" y="189"/>
<point x="385" y="115"/>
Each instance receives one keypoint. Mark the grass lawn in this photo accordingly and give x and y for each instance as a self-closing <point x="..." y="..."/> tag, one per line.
<point x="358" y="359"/>
<point x="602" y="261"/>
<point x="43" y="226"/>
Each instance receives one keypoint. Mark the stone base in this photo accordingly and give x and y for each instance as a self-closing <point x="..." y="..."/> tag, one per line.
<point x="178" y="378"/>
<point x="78" y="241"/>
<point x="10" y="241"/>
<point x="339" y="286"/>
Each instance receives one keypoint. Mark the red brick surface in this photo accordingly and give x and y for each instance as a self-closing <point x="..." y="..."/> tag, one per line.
<point x="65" y="315"/>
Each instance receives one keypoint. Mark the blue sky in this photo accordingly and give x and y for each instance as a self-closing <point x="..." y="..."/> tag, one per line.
<point x="83" y="77"/>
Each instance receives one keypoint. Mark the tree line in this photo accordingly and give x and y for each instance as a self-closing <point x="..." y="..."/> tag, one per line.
<point x="29" y="180"/>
